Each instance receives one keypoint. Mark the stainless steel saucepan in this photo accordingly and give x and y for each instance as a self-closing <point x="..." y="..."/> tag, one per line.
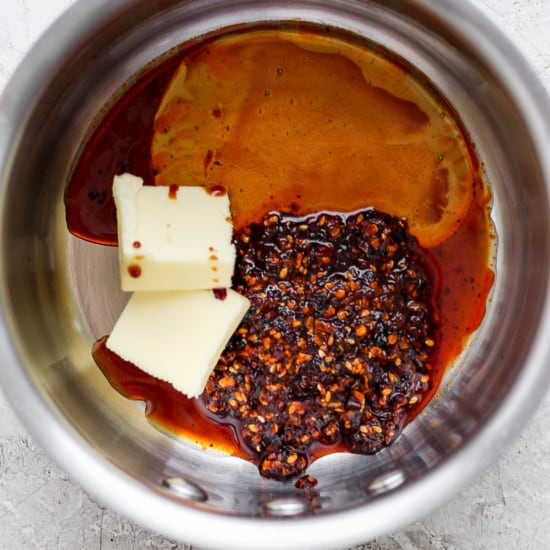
<point x="58" y="294"/>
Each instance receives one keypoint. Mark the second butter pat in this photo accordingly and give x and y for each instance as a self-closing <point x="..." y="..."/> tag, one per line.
<point x="177" y="336"/>
<point x="173" y="238"/>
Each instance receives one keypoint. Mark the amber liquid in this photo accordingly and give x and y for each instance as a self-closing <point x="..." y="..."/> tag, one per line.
<point x="281" y="117"/>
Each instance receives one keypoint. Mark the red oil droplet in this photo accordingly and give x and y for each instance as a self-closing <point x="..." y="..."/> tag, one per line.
<point x="216" y="190"/>
<point x="136" y="244"/>
<point x="134" y="271"/>
<point x="173" y="191"/>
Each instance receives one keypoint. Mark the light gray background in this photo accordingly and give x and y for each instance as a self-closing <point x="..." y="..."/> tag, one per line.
<point x="508" y="507"/>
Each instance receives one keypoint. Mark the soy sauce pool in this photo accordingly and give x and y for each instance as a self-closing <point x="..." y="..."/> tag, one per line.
<point x="282" y="127"/>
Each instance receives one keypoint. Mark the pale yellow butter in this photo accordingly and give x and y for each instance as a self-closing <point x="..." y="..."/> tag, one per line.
<point x="172" y="238"/>
<point x="177" y="336"/>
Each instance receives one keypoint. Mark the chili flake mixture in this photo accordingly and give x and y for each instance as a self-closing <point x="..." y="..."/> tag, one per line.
<point x="336" y="345"/>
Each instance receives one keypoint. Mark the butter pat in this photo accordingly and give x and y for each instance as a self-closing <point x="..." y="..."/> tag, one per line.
<point x="173" y="238"/>
<point x="177" y="336"/>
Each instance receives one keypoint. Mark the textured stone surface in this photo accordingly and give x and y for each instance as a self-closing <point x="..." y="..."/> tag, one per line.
<point x="508" y="507"/>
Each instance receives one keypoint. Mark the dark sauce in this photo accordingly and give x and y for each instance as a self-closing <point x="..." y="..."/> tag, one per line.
<point x="458" y="267"/>
<point x="166" y="407"/>
<point x="121" y="143"/>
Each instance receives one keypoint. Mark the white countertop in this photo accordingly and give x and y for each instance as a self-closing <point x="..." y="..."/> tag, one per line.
<point x="508" y="507"/>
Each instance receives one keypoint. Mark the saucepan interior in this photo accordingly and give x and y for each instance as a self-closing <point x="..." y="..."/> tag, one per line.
<point x="59" y="293"/>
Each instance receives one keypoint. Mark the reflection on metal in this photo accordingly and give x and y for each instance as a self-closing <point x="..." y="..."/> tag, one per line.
<point x="386" y="482"/>
<point x="182" y="488"/>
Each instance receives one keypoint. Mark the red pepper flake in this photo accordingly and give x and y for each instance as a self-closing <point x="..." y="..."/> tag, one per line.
<point x="134" y="271"/>
<point x="306" y="482"/>
<point x="136" y="244"/>
<point x="220" y="293"/>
